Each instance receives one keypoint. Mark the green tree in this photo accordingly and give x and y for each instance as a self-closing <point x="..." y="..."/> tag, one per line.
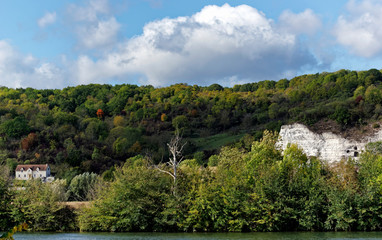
<point x="373" y="95"/>
<point x="369" y="211"/>
<point x="342" y="194"/>
<point x="180" y="123"/>
<point x="96" y="130"/>
<point x="15" y="128"/>
<point x="133" y="201"/>
<point x="121" y="146"/>
<point x="40" y="206"/>
<point x="131" y="135"/>
<point x="215" y="87"/>
<point x="342" y="115"/>
<point x="5" y="199"/>
<point x="81" y="185"/>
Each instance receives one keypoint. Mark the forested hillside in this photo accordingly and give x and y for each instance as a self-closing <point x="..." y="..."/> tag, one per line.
<point x="105" y="144"/>
<point x="91" y="128"/>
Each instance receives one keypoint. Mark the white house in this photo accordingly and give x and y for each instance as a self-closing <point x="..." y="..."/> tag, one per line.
<point x="26" y="172"/>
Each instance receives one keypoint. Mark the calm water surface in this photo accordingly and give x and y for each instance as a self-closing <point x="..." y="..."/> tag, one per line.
<point x="194" y="236"/>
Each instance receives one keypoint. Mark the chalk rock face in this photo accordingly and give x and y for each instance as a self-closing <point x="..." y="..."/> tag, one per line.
<point x="327" y="146"/>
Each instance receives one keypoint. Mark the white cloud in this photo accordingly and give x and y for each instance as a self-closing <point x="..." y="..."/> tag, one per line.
<point x="17" y="70"/>
<point x="85" y="71"/>
<point x="101" y="33"/>
<point x="214" y="44"/>
<point x="90" y="12"/>
<point x="47" y="19"/>
<point x="219" y="44"/>
<point x="94" y="25"/>
<point x="305" y="22"/>
<point x="360" y="28"/>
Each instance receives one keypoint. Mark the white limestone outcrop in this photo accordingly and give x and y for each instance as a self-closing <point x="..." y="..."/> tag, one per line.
<point x="327" y="146"/>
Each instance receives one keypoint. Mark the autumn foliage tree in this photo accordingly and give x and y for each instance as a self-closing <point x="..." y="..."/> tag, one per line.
<point x="100" y="114"/>
<point x="29" y="141"/>
<point x="163" y="117"/>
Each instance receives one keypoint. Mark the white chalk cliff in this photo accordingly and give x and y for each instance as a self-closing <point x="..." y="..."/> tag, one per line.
<point x="327" y="146"/>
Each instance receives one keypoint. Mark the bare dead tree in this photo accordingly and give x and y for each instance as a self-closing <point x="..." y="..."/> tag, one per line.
<point x="175" y="147"/>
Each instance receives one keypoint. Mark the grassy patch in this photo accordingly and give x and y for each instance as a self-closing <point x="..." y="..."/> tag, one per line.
<point x="215" y="141"/>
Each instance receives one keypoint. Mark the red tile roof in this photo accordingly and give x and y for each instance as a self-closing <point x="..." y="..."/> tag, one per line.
<point x="41" y="167"/>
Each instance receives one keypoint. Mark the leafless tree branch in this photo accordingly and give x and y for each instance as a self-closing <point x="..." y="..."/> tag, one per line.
<point x="175" y="147"/>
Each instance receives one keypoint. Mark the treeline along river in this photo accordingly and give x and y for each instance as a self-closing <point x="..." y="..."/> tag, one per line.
<point x="255" y="189"/>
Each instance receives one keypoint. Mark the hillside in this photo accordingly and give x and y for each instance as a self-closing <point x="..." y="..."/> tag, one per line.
<point x="94" y="127"/>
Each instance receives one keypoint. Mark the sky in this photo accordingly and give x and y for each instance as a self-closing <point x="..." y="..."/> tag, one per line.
<point x="55" y="44"/>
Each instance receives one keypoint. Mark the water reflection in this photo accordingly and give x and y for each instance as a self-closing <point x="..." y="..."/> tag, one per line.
<point x="194" y="236"/>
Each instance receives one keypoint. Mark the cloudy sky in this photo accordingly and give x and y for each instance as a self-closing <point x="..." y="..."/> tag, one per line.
<point x="54" y="44"/>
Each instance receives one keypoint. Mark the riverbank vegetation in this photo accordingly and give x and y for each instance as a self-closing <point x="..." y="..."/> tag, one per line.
<point x="240" y="189"/>
<point x="255" y="190"/>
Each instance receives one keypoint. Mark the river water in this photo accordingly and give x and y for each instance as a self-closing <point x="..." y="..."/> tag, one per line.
<point x="194" y="236"/>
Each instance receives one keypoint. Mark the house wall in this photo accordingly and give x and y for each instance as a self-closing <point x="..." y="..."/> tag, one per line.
<point x="26" y="175"/>
<point x="22" y="175"/>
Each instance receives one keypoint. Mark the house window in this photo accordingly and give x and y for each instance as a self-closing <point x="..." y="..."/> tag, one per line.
<point x="25" y="175"/>
<point x="40" y="175"/>
<point x="19" y="175"/>
<point x="34" y="175"/>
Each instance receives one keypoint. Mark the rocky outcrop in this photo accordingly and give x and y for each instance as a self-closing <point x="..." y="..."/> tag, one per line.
<point x="327" y="146"/>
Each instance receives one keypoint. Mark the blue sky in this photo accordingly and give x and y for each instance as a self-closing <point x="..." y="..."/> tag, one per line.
<point x="54" y="44"/>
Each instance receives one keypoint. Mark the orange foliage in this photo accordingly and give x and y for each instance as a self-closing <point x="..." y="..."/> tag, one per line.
<point x="136" y="148"/>
<point x="100" y="113"/>
<point x="194" y="113"/>
<point x="29" y="141"/>
<point x="163" y="117"/>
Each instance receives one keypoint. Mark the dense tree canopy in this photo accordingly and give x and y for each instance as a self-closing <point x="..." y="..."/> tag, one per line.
<point x="63" y="127"/>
